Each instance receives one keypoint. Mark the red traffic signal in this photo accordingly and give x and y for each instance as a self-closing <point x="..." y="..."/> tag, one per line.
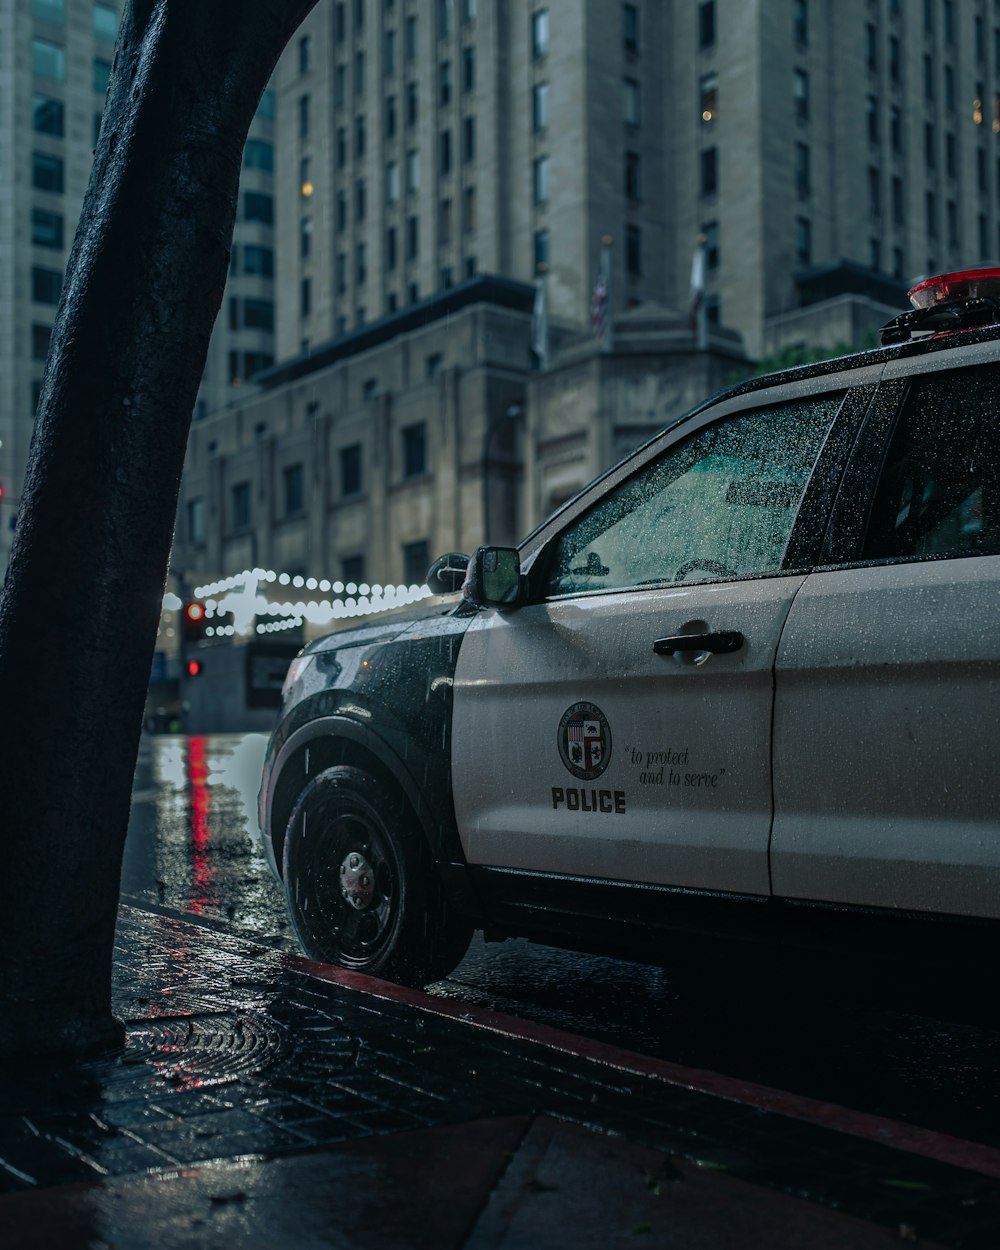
<point x="193" y="621"/>
<point x="195" y="668"/>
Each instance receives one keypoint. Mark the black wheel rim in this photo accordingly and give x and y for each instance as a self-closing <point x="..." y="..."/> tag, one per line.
<point x="328" y="836"/>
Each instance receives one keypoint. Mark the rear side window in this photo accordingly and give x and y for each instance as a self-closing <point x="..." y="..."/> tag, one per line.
<point x="721" y="503"/>
<point x="939" y="492"/>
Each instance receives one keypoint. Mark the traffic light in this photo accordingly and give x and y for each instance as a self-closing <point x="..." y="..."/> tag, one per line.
<point x="195" y="668"/>
<point x="193" y="621"/>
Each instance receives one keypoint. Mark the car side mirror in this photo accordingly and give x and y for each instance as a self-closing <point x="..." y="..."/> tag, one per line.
<point x="494" y="578"/>
<point x="447" y="574"/>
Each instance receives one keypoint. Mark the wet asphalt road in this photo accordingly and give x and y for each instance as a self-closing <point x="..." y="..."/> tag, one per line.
<point x="910" y="1050"/>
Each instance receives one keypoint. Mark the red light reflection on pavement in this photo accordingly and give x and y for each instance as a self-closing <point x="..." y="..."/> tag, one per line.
<point x="203" y="891"/>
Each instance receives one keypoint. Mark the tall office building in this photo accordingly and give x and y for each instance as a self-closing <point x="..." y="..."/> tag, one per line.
<point x="55" y="59"/>
<point x="823" y="148"/>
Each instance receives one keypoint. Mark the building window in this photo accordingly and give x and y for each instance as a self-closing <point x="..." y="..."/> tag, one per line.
<point x="949" y="87"/>
<point x="951" y="155"/>
<point x="412" y="238"/>
<point x="469" y="221"/>
<point x="259" y="155"/>
<point x="411" y="104"/>
<point x="294" y="482"/>
<point x="951" y="216"/>
<point x="633" y="251"/>
<point x="391" y="182"/>
<point x="709" y="171"/>
<point x="445" y="152"/>
<point x="410" y="38"/>
<point x="540" y="180"/>
<point x="340" y="212"/>
<point x="898" y="202"/>
<point x="339" y="22"/>
<point x="240" y="505"/>
<point x="894" y="60"/>
<point x="46" y="172"/>
<point x="105" y="23"/>
<point x="800" y="22"/>
<point x="339" y="86"/>
<point x="196" y="522"/>
<point x="949" y="20"/>
<point x="390" y="116"/>
<point x="340" y="273"/>
<point x="468" y="70"/>
<point x="350" y="470"/>
<point x="360" y="200"/>
<point x="874" y="193"/>
<point x="630" y="28"/>
<point x="265" y="105"/>
<point x="361" y="264"/>
<point x="40" y="336"/>
<point x="803" y="240"/>
<point x="340" y="147"/>
<point x="414" y="450"/>
<point x="468" y="139"/>
<point x="359" y="73"/>
<point x="897" y="263"/>
<point x="305" y="52"/>
<point x="468" y="10"/>
<point x="896" y="129"/>
<point x="444" y="18"/>
<point x="305" y="297"/>
<point x="633" y="177"/>
<point x="928" y="77"/>
<point x="871" y="118"/>
<point x="540" y="106"/>
<point x="803" y="178"/>
<point x="47" y="116"/>
<point x="444" y="82"/>
<point x="305" y="237"/>
<point x="260" y="260"/>
<point x="874" y="254"/>
<point x="258" y="207"/>
<point x="871" y="47"/>
<point x="258" y="314"/>
<point x="631" y="102"/>
<point x="359" y="135"/>
<point x="352" y="572"/>
<point x="930" y="205"/>
<point x="48" y="60"/>
<point x="389" y="52"/>
<point x="541" y="250"/>
<point x="930" y="146"/>
<point x="416" y="562"/>
<point x="303" y="117"/>
<point x="539" y="33"/>
<point x="710" y="231"/>
<point x="390" y="248"/>
<point x="102" y="75"/>
<point x="412" y="170"/>
<point x="706" y="23"/>
<point x="800" y="89"/>
<point x="981" y="170"/>
<point x="52" y="11"/>
<point x="708" y="97"/>
<point x="445" y="226"/>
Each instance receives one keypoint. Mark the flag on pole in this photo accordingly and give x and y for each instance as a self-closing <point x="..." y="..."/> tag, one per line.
<point x="699" y="328"/>
<point x="540" y="320"/>
<point x="600" y="303"/>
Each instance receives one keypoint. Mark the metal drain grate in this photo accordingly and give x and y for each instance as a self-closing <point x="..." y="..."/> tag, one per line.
<point x="207" y="1048"/>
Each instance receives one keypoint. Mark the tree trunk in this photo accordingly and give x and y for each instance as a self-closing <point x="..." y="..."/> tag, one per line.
<point x="79" y="610"/>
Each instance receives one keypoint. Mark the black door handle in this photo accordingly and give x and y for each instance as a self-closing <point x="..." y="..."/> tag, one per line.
<point x="718" y="643"/>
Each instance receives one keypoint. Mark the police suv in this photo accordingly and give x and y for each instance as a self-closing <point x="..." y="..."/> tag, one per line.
<point x="745" y="683"/>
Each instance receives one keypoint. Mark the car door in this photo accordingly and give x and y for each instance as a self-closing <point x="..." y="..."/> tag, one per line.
<point x="618" y="726"/>
<point x="887" y="711"/>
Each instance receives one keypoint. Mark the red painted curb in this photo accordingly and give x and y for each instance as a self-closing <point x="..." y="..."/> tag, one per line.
<point x="973" y="1156"/>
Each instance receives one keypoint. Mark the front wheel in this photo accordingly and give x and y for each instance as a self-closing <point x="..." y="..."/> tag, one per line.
<point x="361" y="887"/>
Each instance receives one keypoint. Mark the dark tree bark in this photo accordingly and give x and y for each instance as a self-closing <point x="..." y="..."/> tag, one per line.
<point x="79" y="610"/>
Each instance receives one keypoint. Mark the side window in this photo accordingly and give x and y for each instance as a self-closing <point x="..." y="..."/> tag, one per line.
<point x="720" y="504"/>
<point x="939" y="493"/>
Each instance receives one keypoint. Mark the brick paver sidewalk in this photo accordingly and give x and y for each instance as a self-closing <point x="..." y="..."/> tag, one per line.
<point x="257" y="1104"/>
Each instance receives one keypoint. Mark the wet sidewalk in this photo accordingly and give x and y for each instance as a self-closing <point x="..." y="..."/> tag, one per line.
<point x="260" y="1104"/>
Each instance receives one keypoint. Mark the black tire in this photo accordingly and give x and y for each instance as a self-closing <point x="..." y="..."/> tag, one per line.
<point x="360" y="883"/>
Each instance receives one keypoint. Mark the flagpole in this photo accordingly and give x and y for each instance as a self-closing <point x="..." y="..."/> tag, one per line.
<point x="540" y="318"/>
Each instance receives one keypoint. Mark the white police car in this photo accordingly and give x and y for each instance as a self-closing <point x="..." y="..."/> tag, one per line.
<point x="747" y="682"/>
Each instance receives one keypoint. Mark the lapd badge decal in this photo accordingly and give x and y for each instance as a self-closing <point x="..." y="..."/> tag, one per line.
<point x="585" y="741"/>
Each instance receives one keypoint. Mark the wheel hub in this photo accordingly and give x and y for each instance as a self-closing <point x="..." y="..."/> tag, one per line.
<point x="357" y="881"/>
